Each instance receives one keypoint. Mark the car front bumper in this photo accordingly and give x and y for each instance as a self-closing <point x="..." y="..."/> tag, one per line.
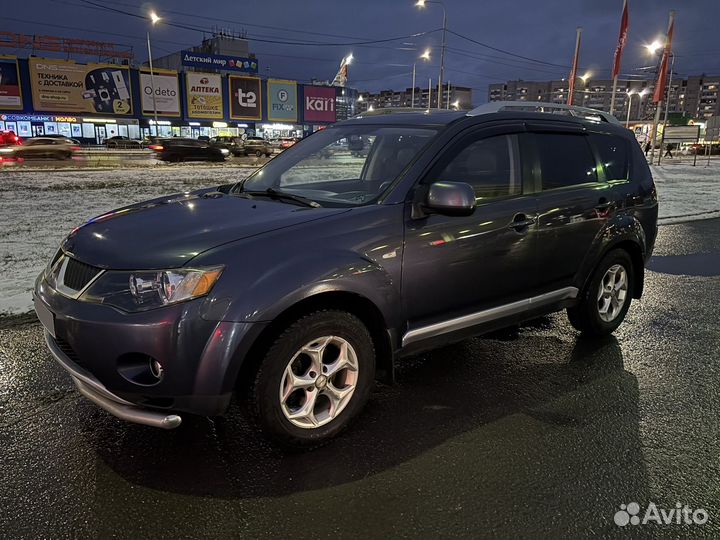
<point x="200" y="358"/>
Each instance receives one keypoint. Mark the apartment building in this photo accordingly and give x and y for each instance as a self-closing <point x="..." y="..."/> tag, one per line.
<point x="696" y="96"/>
<point x="457" y="97"/>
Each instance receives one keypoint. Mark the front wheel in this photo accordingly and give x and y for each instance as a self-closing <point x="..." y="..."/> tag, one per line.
<point x="606" y="299"/>
<point x="258" y="153"/>
<point x="314" y="379"/>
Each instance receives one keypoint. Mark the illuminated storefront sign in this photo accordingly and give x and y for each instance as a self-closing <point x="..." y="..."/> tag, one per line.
<point x="65" y="86"/>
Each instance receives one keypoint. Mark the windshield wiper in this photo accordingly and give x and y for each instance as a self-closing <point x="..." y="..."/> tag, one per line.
<point x="280" y="195"/>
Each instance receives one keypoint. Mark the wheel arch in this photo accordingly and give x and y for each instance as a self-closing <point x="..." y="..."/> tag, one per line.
<point x="354" y="303"/>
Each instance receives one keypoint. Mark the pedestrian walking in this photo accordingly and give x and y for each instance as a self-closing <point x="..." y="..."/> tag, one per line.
<point x="668" y="151"/>
<point x="647" y="147"/>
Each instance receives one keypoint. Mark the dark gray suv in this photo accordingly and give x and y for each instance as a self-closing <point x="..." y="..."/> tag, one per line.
<point x="301" y="285"/>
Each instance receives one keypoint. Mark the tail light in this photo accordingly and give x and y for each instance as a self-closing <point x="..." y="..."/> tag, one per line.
<point x="156" y="147"/>
<point x="74" y="148"/>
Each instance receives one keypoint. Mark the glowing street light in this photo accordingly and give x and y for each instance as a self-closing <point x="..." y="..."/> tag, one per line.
<point x="424" y="56"/>
<point x="654" y="47"/>
<point x="348" y="59"/>
<point x="586" y="77"/>
<point x="456" y="104"/>
<point x="422" y="4"/>
<point x="154" y="19"/>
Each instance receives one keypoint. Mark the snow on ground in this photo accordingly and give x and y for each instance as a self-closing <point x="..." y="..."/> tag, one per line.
<point x="687" y="193"/>
<point x="37" y="209"/>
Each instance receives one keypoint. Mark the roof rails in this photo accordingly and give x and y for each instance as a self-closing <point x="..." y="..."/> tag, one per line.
<point x="550" y="108"/>
<point x="393" y="110"/>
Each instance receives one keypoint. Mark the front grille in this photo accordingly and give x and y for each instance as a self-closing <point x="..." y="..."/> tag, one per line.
<point x="78" y="274"/>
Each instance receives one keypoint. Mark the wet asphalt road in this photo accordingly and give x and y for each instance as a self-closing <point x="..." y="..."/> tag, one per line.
<point x="530" y="434"/>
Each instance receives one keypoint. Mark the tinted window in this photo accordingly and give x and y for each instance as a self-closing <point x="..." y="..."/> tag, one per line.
<point x="565" y="160"/>
<point x="613" y="151"/>
<point x="488" y="165"/>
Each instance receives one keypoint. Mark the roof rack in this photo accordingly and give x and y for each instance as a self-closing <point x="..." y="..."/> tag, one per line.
<point x="542" y="107"/>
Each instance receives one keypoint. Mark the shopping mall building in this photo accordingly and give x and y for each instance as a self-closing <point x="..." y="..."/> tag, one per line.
<point x="92" y="102"/>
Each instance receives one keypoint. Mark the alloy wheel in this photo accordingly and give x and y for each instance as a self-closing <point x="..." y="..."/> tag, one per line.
<point x="319" y="382"/>
<point x="612" y="292"/>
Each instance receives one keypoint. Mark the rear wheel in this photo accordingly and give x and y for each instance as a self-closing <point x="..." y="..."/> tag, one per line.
<point x="314" y="379"/>
<point x="258" y="153"/>
<point x="606" y="299"/>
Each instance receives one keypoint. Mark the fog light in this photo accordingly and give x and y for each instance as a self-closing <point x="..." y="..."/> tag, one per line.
<point x="156" y="369"/>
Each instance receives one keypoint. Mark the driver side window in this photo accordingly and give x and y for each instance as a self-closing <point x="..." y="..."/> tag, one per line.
<point x="489" y="165"/>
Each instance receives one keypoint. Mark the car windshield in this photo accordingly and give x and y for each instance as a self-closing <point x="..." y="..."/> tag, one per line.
<point x="342" y="165"/>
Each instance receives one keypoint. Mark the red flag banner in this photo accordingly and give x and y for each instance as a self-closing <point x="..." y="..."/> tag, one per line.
<point x="662" y="74"/>
<point x="622" y="39"/>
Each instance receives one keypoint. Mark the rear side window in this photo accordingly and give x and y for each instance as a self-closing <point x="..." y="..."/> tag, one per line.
<point x="613" y="152"/>
<point x="565" y="160"/>
<point x="489" y="165"/>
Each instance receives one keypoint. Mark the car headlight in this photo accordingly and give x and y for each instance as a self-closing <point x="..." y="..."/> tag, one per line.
<point x="149" y="289"/>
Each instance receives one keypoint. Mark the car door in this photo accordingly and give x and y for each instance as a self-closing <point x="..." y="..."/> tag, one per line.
<point x="574" y="200"/>
<point x="454" y="265"/>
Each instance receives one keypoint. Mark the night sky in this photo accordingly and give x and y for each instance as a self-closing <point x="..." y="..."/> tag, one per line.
<point x="541" y="30"/>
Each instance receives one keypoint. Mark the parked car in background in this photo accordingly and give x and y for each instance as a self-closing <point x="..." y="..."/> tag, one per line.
<point x="62" y="137"/>
<point x="203" y="138"/>
<point x="120" y="142"/>
<point x="178" y="149"/>
<point x="286" y="142"/>
<point x="300" y="285"/>
<point x="256" y="146"/>
<point x="45" y="148"/>
<point x="233" y="144"/>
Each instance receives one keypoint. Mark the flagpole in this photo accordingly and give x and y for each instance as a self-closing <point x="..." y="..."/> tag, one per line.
<point x="573" y="73"/>
<point x="667" y="105"/>
<point x="622" y="39"/>
<point x="660" y="86"/>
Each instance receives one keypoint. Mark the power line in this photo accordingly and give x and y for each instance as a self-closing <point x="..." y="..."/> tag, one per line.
<point x="471" y="40"/>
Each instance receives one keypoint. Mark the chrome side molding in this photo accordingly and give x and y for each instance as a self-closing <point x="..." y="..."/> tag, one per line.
<point x="487" y="315"/>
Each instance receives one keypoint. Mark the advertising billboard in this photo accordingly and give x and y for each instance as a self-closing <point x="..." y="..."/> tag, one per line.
<point x="282" y="100"/>
<point x="319" y="104"/>
<point x="167" y="95"/>
<point x="245" y="98"/>
<point x="64" y="86"/>
<point x="204" y="95"/>
<point x="218" y="61"/>
<point x="10" y="95"/>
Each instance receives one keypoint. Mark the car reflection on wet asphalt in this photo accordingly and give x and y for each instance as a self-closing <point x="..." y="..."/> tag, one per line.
<point x="527" y="432"/>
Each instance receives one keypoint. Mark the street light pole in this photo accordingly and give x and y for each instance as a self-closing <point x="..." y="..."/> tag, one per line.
<point x="421" y="4"/>
<point x="153" y="19"/>
<point x="667" y="102"/>
<point x="442" y="56"/>
<point x="412" y="98"/>
<point x="152" y="83"/>
<point x="627" y="120"/>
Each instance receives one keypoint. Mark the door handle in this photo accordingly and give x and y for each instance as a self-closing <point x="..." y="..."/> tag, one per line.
<point x="521" y="221"/>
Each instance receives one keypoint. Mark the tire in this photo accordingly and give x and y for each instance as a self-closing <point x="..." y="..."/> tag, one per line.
<point x="270" y="410"/>
<point x="586" y="316"/>
<point x="258" y="153"/>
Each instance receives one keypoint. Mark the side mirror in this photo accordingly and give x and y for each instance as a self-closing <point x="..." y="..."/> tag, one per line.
<point x="450" y="199"/>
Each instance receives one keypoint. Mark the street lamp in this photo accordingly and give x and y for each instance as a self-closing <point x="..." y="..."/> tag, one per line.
<point x="424" y="56"/>
<point x="456" y="104"/>
<point x="422" y="4"/>
<point x="654" y="47"/>
<point x="154" y="19"/>
<point x="630" y="94"/>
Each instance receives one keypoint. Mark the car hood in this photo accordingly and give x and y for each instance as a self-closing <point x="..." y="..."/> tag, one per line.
<point x="167" y="232"/>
